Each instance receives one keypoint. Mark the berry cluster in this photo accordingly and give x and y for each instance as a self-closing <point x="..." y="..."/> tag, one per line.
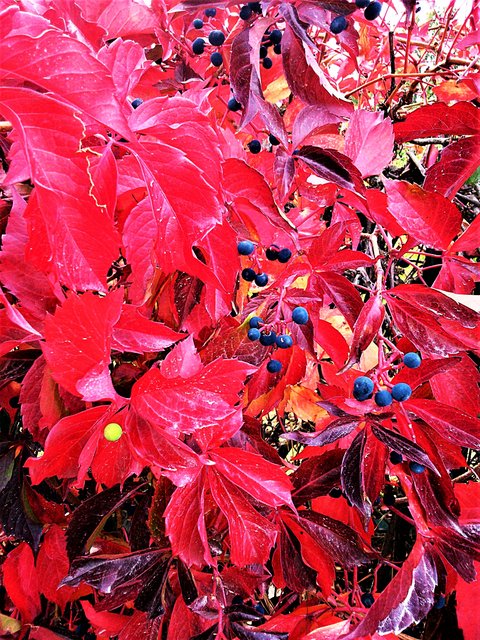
<point x="246" y="248"/>
<point x="363" y="387"/>
<point x="255" y="146"/>
<point x="415" y="467"/>
<point x="372" y="11"/>
<point x="270" y="39"/>
<point x="216" y="38"/>
<point x="269" y="338"/>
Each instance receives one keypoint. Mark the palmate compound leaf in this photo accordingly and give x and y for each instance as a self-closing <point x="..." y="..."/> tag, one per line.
<point x="183" y="396"/>
<point x="408" y="597"/>
<point x="82" y="248"/>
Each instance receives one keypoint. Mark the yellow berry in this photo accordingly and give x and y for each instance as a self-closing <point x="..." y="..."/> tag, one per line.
<point x="113" y="432"/>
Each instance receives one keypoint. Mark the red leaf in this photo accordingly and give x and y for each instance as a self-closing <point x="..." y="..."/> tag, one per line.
<point x="251" y="535"/>
<point x="183" y="396"/>
<point x="253" y="201"/>
<point x="369" y="142"/>
<point x="185" y="524"/>
<point x="20" y="581"/>
<point x="134" y="332"/>
<point x="316" y="476"/>
<point x="457" y="163"/>
<point x="82" y="248"/>
<point x="305" y="77"/>
<point x="458" y="385"/>
<point x="78" y="341"/>
<point x="366" y="327"/>
<point x="343" y="294"/>
<point x="428" y="217"/>
<point x="32" y="49"/>
<point x="439" y="119"/>
<point x="52" y="567"/>
<point x="406" y="600"/>
<point x="264" y="481"/>
<point x="452" y="424"/>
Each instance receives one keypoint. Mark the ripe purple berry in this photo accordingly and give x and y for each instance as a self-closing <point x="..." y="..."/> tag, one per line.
<point x="300" y="315"/>
<point x="373" y="10"/>
<point x="274" y="366"/>
<point x="401" y="391"/>
<point x="338" y="24"/>
<point x="245" y="247"/>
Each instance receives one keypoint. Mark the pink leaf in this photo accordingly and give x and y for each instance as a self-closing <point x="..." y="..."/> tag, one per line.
<point x="369" y="142"/>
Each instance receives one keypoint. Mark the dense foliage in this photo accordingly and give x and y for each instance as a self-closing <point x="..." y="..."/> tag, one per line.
<point x="239" y="338"/>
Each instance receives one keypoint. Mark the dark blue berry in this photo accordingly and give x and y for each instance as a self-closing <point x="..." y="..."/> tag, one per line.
<point x="256" y="322"/>
<point x="268" y="339"/>
<point x="198" y="46"/>
<point x="261" y="279"/>
<point x="198" y="24"/>
<point x="362" y="388"/>
<point x="248" y="274"/>
<point x="335" y="492"/>
<point x="396" y="458"/>
<point x="237" y="600"/>
<point x="255" y="6"/>
<point x="277" y="48"/>
<point x="416" y="467"/>
<point x="233" y="105"/>
<point x="440" y="603"/>
<point x="245" y="247"/>
<point x="276" y="36"/>
<point x="273" y="140"/>
<point x="274" y="366"/>
<point x="137" y="102"/>
<point x="254" y="146"/>
<point x="338" y="24"/>
<point x="246" y="12"/>
<point x="300" y="315"/>
<point x="412" y="360"/>
<point x="383" y="398"/>
<point x="367" y="600"/>
<point x="263" y="52"/>
<point x="267" y="63"/>
<point x="254" y="334"/>
<point x="216" y="59"/>
<point x="260" y="608"/>
<point x="284" y="255"/>
<point x="284" y="341"/>
<point x="211" y="13"/>
<point x="373" y="10"/>
<point x="401" y="391"/>
<point x="361" y="4"/>
<point x="216" y="37"/>
<point x="271" y="253"/>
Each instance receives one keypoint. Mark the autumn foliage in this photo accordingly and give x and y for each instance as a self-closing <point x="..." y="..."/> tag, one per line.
<point x="160" y="478"/>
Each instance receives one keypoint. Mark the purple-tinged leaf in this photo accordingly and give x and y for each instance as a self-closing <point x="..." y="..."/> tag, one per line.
<point x="410" y="450"/>
<point x="249" y="633"/>
<point x="317" y="476"/>
<point x="406" y="600"/>
<point x="340" y="541"/>
<point x="334" y="431"/>
<point x="352" y="475"/>
<point x="331" y="166"/>
<point x="90" y="517"/>
<point x="107" y="572"/>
